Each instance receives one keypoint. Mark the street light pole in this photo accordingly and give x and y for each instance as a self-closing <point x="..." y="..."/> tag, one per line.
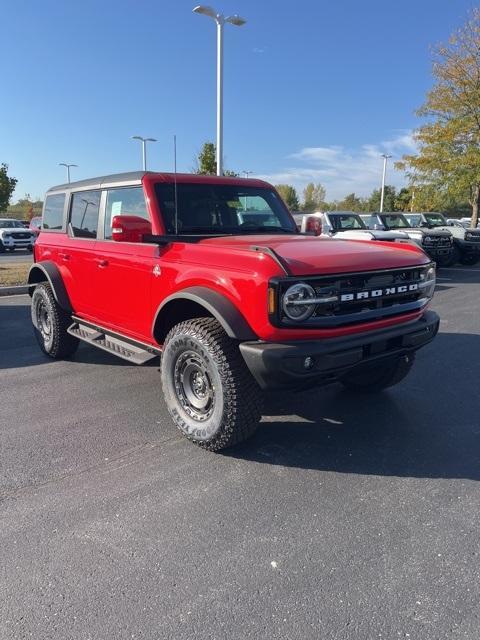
<point x="220" y="21"/>
<point x="382" y="195"/>
<point x="144" y="148"/>
<point x="64" y="164"/>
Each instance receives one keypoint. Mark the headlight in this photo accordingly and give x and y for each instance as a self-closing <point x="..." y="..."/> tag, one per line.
<point x="296" y="301"/>
<point x="429" y="239"/>
<point x="428" y="280"/>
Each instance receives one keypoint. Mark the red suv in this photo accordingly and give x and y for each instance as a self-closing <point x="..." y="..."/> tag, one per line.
<point x="212" y="274"/>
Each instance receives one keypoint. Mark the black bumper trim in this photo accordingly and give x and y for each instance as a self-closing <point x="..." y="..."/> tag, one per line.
<point x="281" y="365"/>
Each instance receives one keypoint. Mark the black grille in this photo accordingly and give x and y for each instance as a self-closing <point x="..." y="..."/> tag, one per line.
<point x="472" y="237"/>
<point x="378" y="291"/>
<point x="20" y="236"/>
<point x="437" y="241"/>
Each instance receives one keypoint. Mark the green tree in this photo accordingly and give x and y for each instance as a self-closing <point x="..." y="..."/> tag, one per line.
<point x="289" y="196"/>
<point x="7" y="186"/>
<point x="313" y="197"/>
<point x="350" y="203"/>
<point x="207" y="162"/>
<point x="449" y="143"/>
<point x="389" y="198"/>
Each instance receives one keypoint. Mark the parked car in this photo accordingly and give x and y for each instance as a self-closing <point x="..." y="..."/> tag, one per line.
<point x="13" y="235"/>
<point x="466" y="242"/>
<point x="455" y="222"/>
<point x="438" y="244"/>
<point x="347" y="225"/>
<point x="36" y="224"/>
<point x="230" y="294"/>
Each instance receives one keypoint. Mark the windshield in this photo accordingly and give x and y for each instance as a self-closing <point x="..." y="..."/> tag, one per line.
<point x="223" y="209"/>
<point x="435" y="219"/>
<point x="395" y="222"/>
<point x="346" y="222"/>
<point x="10" y="224"/>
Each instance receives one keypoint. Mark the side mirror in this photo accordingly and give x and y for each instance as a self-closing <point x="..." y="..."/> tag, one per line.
<point x="313" y="225"/>
<point x="130" y="228"/>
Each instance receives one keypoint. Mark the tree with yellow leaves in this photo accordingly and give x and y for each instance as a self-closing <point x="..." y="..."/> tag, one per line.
<point x="449" y="143"/>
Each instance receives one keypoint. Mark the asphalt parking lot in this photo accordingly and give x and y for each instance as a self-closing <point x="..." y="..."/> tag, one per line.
<point x="20" y="255"/>
<point x="345" y="517"/>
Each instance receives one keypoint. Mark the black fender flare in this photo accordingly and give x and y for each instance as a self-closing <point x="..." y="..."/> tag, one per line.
<point x="217" y="306"/>
<point x="48" y="271"/>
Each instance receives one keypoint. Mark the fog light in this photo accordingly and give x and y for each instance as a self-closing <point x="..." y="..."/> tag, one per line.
<point x="308" y="362"/>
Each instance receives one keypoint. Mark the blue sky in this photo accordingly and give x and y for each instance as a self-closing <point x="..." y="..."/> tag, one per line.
<point x="313" y="90"/>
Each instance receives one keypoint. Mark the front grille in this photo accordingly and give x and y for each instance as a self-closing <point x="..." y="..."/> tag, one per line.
<point x="437" y="241"/>
<point x="20" y="236"/>
<point x="361" y="297"/>
<point x="472" y="237"/>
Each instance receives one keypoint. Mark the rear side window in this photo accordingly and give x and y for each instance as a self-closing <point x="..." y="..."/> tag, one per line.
<point x="84" y="214"/>
<point x="53" y="211"/>
<point x="128" y="201"/>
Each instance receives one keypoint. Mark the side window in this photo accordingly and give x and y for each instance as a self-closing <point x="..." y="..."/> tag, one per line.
<point x="127" y="201"/>
<point x="53" y="212"/>
<point x="84" y="214"/>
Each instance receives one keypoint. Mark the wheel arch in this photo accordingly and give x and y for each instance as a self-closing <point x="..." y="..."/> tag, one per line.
<point x="49" y="272"/>
<point x="197" y="302"/>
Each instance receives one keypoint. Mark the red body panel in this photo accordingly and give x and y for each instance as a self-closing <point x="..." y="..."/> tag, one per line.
<point x="120" y="285"/>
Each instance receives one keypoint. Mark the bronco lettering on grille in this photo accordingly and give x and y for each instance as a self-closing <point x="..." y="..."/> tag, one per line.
<point x="378" y="293"/>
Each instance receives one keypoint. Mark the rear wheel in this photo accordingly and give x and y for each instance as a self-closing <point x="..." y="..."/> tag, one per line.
<point x="208" y="389"/>
<point x="381" y="376"/>
<point x="50" y="324"/>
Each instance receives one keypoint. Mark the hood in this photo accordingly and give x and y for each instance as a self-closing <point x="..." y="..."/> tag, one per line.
<point x="436" y="231"/>
<point x="310" y="255"/>
<point x="376" y="234"/>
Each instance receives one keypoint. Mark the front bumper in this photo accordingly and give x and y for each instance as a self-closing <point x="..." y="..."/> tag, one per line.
<point x="470" y="247"/>
<point x="281" y="365"/>
<point x="437" y="252"/>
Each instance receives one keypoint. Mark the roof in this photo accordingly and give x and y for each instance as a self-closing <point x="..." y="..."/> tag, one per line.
<point x="135" y="177"/>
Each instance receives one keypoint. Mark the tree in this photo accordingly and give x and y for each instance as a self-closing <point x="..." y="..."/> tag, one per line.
<point x="449" y="144"/>
<point x="313" y="197"/>
<point x="373" y="203"/>
<point x="7" y="186"/>
<point x="207" y="162"/>
<point x="351" y="203"/>
<point x="289" y="196"/>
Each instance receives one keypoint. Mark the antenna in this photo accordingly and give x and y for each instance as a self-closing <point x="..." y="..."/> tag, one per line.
<point x="175" y="181"/>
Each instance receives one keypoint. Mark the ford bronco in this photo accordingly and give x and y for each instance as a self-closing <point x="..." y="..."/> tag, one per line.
<point x="437" y="243"/>
<point x="212" y="275"/>
<point x="466" y="242"/>
<point x="347" y="225"/>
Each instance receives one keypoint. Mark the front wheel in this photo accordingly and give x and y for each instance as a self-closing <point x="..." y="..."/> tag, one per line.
<point x="50" y="324"/>
<point x="453" y="258"/>
<point x="470" y="259"/>
<point x="380" y="376"/>
<point x="208" y="389"/>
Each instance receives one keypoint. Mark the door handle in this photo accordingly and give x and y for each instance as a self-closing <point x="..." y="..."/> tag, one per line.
<point x="64" y="256"/>
<point x="102" y="263"/>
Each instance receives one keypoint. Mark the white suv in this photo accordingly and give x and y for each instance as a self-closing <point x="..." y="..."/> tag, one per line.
<point x="13" y="235"/>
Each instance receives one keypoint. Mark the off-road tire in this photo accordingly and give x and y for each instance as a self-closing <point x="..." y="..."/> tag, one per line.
<point x="200" y="350"/>
<point x="50" y="324"/>
<point x="469" y="259"/>
<point x="381" y="376"/>
<point x="454" y="257"/>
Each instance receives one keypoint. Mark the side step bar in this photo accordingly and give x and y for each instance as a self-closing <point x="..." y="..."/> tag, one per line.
<point x="121" y="346"/>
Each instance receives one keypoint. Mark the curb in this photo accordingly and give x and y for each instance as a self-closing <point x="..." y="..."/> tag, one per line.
<point x="14" y="291"/>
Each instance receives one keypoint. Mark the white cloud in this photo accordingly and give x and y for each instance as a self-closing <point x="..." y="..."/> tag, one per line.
<point x="342" y="170"/>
